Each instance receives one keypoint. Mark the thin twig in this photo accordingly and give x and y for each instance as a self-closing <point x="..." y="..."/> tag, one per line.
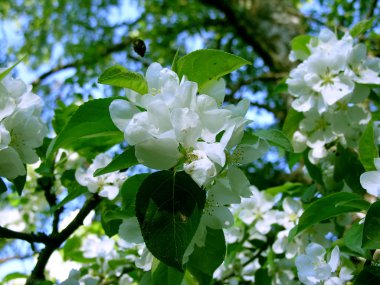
<point x="56" y="240"/>
<point x="29" y="237"/>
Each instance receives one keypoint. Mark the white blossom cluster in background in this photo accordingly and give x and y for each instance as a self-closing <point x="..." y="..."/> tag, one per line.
<point x="329" y="87"/>
<point x="21" y="128"/>
<point x="260" y="218"/>
<point x="107" y="185"/>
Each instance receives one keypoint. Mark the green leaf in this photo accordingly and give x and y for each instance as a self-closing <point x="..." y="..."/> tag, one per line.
<point x="19" y="183"/>
<point x="353" y="239"/>
<point x="169" y="207"/>
<point x="128" y="192"/>
<point x="205" y="65"/>
<point x="314" y="171"/>
<point x="371" y="230"/>
<point x="361" y="27"/>
<point x="164" y="274"/>
<point x="262" y="277"/>
<point x="175" y="61"/>
<point x="275" y="138"/>
<point x="62" y="114"/>
<point x="367" y="148"/>
<point x="3" y="187"/>
<point x="205" y="260"/>
<point x="9" y="69"/>
<point x="285" y="188"/>
<point x="14" y="275"/>
<point x="328" y="207"/>
<point x="110" y="218"/>
<point x="299" y="44"/>
<point x="120" y="162"/>
<point x="292" y="121"/>
<point x="349" y="168"/>
<point x="89" y="127"/>
<point x="369" y="275"/>
<point x="121" y="77"/>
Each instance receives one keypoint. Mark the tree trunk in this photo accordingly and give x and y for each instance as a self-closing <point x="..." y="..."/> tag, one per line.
<point x="267" y="25"/>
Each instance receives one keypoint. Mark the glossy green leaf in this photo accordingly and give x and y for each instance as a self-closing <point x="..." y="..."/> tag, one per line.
<point x="328" y="207"/>
<point x="90" y="126"/>
<point x="120" y="162"/>
<point x="292" y="121"/>
<point x="15" y="275"/>
<point x="169" y="207"/>
<point x="368" y="276"/>
<point x="111" y="218"/>
<point x="128" y="192"/>
<point x="62" y="115"/>
<point x="371" y="230"/>
<point x="205" y="260"/>
<point x="164" y="274"/>
<point x="367" y="148"/>
<point x="19" y="183"/>
<point x="361" y="27"/>
<point x="9" y="69"/>
<point x="121" y="77"/>
<point x="262" y="277"/>
<point x="348" y="168"/>
<point x="353" y="239"/>
<point x="205" y="65"/>
<point x="275" y="138"/>
<point x="285" y="188"/>
<point x="299" y="44"/>
<point x="314" y="171"/>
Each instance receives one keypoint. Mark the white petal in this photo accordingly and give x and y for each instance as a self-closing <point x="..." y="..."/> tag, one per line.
<point x="109" y="192"/>
<point x="187" y="126"/>
<point x="370" y="181"/>
<point x="215" y="89"/>
<point x="121" y="112"/>
<point x="158" y="153"/>
<point x="215" y="151"/>
<point x="11" y="165"/>
<point x="130" y="231"/>
<point x="334" y="259"/>
<point x="218" y="217"/>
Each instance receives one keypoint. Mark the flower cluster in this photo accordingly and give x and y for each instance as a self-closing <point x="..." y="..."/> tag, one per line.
<point x="173" y="126"/>
<point x="107" y="185"/>
<point x="21" y="129"/>
<point x="329" y="86"/>
<point x="313" y="268"/>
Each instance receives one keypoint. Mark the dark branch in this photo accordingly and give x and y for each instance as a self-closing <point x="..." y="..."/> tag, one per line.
<point x="29" y="237"/>
<point x="371" y="9"/>
<point x="56" y="240"/>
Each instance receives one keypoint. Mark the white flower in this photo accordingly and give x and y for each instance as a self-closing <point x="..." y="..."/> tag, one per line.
<point x="107" y="185"/>
<point x="370" y="180"/>
<point x="360" y="68"/>
<point x="178" y="126"/>
<point x="313" y="268"/>
<point x="21" y="129"/>
<point x="95" y="247"/>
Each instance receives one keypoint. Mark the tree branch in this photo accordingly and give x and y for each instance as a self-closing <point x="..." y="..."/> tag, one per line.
<point x="29" y="237"/>
<point x="371" y="9"/>
<point x="56" y="240"/>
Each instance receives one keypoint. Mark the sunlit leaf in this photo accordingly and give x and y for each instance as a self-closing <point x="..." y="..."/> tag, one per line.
<point x="330" y="206"/>
<point x="367" y="148"/>
<point x="361" y="27"/>
<point x="121" y="77"/>
<point x="90" y="126"/>
<point x="205" y="65"/>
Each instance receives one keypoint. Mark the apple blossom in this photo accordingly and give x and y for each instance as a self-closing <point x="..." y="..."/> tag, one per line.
<point x="107" y="185"/>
